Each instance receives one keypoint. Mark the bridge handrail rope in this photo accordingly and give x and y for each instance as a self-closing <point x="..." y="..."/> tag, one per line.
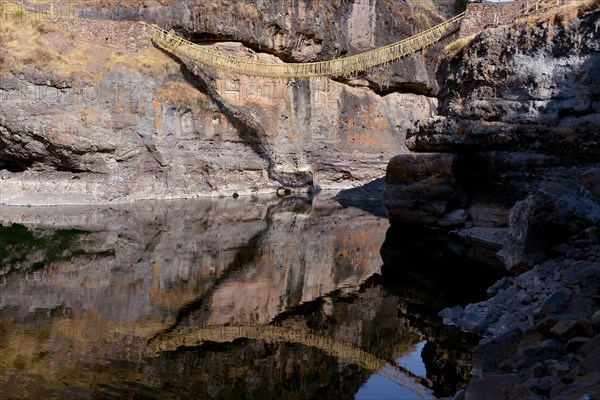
<point x="344" y="66"/>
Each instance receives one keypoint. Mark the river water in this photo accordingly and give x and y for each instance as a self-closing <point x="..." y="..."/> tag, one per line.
<point x="256" y="298"/>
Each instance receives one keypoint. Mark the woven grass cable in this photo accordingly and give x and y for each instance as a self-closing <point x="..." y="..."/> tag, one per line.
<point x="345" y="66"/>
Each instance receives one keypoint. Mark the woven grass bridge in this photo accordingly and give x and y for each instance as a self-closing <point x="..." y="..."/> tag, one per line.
<point x="345" y="66"/>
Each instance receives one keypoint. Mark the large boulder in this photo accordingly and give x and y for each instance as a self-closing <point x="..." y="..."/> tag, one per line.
<point x="420" y="186"/>
<point x="544" y="219"/>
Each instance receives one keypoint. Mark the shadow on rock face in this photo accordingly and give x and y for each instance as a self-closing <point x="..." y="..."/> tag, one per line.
<point x="368" y="197"/>
<point x="430" y="273"/>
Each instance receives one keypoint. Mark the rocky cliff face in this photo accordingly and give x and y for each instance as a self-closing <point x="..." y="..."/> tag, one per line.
<point x="514" y="164"/>
<point x="521" y="115"/>
<point x="98" y="114"/>
<point x="301" y="31"/>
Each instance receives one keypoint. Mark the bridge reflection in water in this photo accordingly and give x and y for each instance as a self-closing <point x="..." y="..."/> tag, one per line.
<point x="330" y="345"/>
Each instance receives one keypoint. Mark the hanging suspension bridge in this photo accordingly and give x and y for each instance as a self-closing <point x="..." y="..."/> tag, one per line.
<point x="344" y="66"/>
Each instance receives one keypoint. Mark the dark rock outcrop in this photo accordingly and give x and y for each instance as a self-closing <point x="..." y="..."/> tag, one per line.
<point x="521" y="118"/>
<point x="420" y="186"/>
<point x="512" y="94"/>
<point x="523" y="130"/>
<point x="543" y="219"/>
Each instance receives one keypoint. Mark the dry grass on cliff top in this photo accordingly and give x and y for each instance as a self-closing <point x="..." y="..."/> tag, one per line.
<point x="95" y="5"/>
<point x="421" y="14"/>
<point x="22" y="41"/>
<point x="454" y="47"/>
<point x="555" y="15"/>
<point x="128" y="3"/>
<point x="72" y="49"/>
<point x="558" y="15"/>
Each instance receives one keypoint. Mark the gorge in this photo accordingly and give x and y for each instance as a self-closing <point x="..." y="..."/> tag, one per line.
<point x="146" y="200"/>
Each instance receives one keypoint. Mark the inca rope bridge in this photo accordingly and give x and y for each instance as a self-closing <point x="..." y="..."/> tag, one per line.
<point x="331" y="345"/>
<point x="345" y="66"/>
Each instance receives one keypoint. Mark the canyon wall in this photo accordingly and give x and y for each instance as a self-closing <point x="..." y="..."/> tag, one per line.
<point x="519" y="110"/>
<point x="100" y="115"/>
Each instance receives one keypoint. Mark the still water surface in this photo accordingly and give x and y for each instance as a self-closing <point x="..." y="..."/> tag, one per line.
<point x="258" y="298"/>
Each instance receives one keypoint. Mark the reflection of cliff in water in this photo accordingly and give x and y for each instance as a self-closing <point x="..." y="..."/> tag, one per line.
<point x="85" y="290"/>
<point x="83" y="286"/>
<point x="143" y="260"/>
